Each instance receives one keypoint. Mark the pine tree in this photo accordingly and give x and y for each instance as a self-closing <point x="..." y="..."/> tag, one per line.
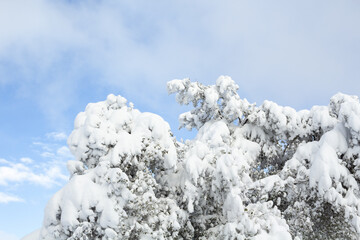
<point x="113" y="192"/>
<point x="252" y="172"/>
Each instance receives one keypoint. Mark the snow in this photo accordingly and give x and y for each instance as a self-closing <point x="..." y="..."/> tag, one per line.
<point x="252" y="172"/>
<point x="78" y="200"/>
<point x="214" y="134"/>
<point x="35" y="235"/>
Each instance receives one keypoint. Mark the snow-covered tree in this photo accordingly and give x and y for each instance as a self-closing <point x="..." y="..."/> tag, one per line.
<point x="112" y="193"/>
<point x="252" y="172"/>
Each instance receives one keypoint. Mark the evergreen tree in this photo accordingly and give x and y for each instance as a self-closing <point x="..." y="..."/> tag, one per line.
<point x="252" y="172"/>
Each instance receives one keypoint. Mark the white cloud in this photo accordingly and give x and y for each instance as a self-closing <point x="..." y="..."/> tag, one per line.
<point x="54" y="151"/>
<point x="53" y="147"/>
<point x="18" y="173"/>
<point x="26" y="160"/>
<point x="3" y="161"/>
<point x="47" y="169"/>
<point x="47" y="155"/>
<point x="57" y="136"/>
<point x="5" y="198"/>
<point x="43" y="146"/>
<point x="64" y="152"/>
<point x="271" y="50"/>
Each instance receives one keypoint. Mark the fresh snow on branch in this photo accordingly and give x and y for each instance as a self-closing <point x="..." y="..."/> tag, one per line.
<point x="252" y="172"/>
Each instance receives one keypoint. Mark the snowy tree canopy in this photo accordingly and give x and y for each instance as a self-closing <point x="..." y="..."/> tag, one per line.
<point x="252" y="172"/>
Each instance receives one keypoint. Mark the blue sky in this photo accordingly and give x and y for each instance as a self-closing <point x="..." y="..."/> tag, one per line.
<point x="56" y="56"/>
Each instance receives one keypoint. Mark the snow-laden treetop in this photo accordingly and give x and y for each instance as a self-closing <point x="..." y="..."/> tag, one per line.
<point x="252" y="172"/>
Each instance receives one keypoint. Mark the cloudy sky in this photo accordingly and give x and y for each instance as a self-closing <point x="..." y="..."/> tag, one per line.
<point x="58" y="55"/>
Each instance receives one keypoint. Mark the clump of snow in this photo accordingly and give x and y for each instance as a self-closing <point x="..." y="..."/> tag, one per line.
<point x="111" y="128"/>
<point x="35" y="235"/>
<point x="112" y="193"/>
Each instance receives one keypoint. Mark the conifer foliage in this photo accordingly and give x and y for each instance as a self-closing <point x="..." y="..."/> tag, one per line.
<point x="252" y="172"/>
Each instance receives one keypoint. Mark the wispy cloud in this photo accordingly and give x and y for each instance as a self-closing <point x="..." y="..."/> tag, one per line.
<point x="54" y="50"/>
<point x="5" y="198"/>
<point x="19" y="173"/>
<point x="26" y="160"/>
<point x="47" y="169"/>
<point x="53" y="148"/>
<point x="57" y="136"/>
